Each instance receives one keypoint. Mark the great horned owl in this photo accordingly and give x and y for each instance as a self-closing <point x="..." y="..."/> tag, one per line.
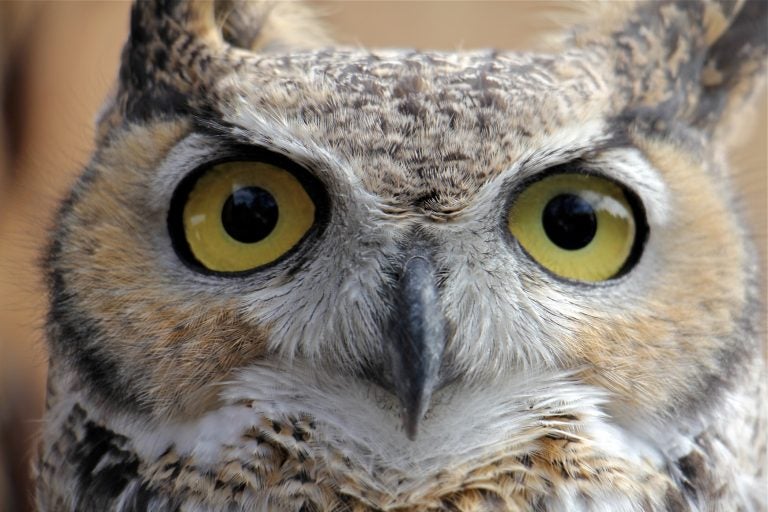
<point x="304" y="277"/>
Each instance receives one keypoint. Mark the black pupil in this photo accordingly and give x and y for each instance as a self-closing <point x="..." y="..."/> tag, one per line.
<point x="569" y="221"/>
<point x="249" y="215"/>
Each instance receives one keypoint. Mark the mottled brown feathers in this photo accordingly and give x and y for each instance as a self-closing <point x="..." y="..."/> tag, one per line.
<point x="682" y="59"/>
<point x="176" y="388"/>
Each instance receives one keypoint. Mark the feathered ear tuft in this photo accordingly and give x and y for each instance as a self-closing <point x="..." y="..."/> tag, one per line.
<point x="266" y="26"/>
<point x="695" y="61"/>
<point x="178" y="49"/>
<point x="734" y="63"/>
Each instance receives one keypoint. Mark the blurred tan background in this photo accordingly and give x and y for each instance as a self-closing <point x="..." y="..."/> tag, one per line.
<point x="58" y="61"/>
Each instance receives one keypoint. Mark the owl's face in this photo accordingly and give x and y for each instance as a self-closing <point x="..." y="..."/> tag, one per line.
<point x="405" y="234"/>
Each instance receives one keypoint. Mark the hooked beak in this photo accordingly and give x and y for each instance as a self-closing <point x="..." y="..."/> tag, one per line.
<point x="418" y="340"/>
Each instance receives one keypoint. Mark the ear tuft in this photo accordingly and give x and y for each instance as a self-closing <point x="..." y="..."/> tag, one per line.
<point x="735" y="63"/>
<point x="177" y="50"/>
<point x="268" y="26"/>
<point x="694" y="61"/>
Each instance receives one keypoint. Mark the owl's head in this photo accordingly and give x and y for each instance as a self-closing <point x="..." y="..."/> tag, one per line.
<point x="266" y="209"/>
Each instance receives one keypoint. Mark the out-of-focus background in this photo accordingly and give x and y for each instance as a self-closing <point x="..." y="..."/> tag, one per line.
<point x="58" y="61"/>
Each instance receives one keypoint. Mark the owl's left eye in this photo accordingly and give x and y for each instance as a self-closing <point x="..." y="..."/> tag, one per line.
<point x="579" y="226"/>
<point x="239" y="216"/>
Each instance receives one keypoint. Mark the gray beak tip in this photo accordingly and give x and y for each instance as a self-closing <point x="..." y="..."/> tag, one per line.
<point x="411" y="427"/>
<point x="412" y="415"/>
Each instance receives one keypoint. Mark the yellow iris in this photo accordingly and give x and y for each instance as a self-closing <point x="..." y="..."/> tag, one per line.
<point x="577" y="226"/>
<point x="242" y="215"/>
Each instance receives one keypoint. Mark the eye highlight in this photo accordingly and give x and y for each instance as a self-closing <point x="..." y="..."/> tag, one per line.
<point x="238" y="216"/>
<point x="578" y="226"/>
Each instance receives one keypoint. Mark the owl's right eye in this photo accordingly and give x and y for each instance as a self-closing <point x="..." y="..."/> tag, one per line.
<point x="239" y="216"/>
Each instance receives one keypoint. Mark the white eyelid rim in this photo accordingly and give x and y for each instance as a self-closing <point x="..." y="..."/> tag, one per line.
<point x="625" y="165"/>
<point x="628" y="166"/>
<point x="187" y="154"/>
<point x="196" y="148"/>
<point x="273" y="131"/>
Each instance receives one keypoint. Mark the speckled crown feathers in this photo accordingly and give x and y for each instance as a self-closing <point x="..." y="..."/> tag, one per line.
<point x="677" y="58"/>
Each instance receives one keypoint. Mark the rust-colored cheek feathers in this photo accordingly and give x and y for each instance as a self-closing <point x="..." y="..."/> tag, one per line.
<point x="136" y="310"/>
